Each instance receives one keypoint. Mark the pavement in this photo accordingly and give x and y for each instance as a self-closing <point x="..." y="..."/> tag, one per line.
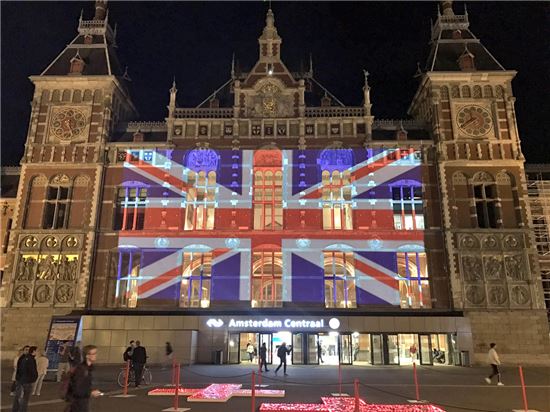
<point x="454" y="389"/>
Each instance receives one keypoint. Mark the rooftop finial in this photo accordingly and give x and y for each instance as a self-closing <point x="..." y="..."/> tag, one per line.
<point x="366" y="74"/>
<point x="270" y="19"/>
<point x="447" y="6"/>
<point x="173" y="88"/>
<point x="310" y="64"/>
<point x="81" y="14"/>
<point x="100" y="9"/>
<point x="233" y="66"/>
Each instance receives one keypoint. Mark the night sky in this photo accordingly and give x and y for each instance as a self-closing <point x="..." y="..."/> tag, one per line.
<point x="194" y="41"/>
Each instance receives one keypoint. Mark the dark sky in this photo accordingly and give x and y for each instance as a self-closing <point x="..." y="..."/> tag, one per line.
<point x="195" y="40"/>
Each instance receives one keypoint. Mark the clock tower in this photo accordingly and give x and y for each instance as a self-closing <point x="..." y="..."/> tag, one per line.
<point x="465" y="95"/>
<point x="78" y="100"/>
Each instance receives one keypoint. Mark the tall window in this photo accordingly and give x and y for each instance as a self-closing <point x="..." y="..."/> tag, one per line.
<point x="267" y="279"/>
<point x="56" y="214"/>
<point x="195" y="282"/>
<point x="200" y="201"/>
<point x="485" y="195"/>
<point x="407" y="207"/>
<point x="268" y="190"/>
<point x="128" y="264"/>
<point x="339" y="280"/>
<point x="336" y="199"/>
<point x="414" y="286"/>
<point x="130" y="208"/>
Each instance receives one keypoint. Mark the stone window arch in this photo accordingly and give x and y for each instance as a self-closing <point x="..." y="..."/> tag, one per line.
<point x="486" y="201"/>
<point x="58" y="199"/>
<point x="466" y="92"/>
<point x="509" y="199"/>
<point x="487" y="91"/>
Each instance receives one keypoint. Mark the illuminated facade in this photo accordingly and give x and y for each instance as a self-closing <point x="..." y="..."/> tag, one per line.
<point x="279" y="216"/>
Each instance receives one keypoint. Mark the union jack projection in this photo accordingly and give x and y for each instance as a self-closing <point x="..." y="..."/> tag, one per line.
<point x="338" y="227"/>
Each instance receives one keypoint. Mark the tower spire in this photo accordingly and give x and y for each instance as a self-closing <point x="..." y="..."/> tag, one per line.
<point x="447" y="7"/>
<point x="270" y="42"/>
<point x="100" y="10"/>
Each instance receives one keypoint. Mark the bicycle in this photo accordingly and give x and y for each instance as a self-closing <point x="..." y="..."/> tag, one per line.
<point x="146" y="377"/>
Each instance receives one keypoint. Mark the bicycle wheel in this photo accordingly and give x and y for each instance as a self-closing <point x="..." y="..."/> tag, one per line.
<point x="122" y="377"/>
<point x="147" y="377"/>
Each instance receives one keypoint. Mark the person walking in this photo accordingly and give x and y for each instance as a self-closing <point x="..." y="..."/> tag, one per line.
<point x="263" y="357"/>
<point x="494" y="361"/>
<point x="169" y="354"/>
<point x="20" y="352"/>
<point x="412" y="352"/>
<point x="25" y="376"/>
<point x="281" y="353"/>
<point x="80" y="390"/>
<point x="63" y="365"/>
<point x="320" y="352"/>
<point x="42" y="363"/>
<point x="139" y="358"/>
<point x="75" y="356"/>
<point x="250" y="351"/>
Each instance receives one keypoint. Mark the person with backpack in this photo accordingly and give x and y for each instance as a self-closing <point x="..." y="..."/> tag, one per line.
<point x="139" y="358"/>
<point x="42" y="363"/>
<point x="77" y="385"/>
<point x="281" y="353"/>
<point x="25" y="376"/>
<point x="127" y="356"/>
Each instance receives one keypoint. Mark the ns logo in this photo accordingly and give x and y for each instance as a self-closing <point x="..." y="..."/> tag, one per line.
<point x="214" y="323"/>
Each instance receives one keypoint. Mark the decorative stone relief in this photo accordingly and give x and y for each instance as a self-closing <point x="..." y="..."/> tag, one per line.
<point x="490" y="242"/>
<point x="22" y="294"/>
<point x="64" y="293"/>
<point x="520" y="295"/>
<point x="25" y="269"/>
<point x="469" y="242"/>
<point x="46" y="268"/>
<point x="512" y="242"/>
<point x="514" y="267"/>
<point x="51" y="242"/>
<point x="497" y="295"/>
<point x="493" y="268"/>
<point x="29" y="242"/>
<point x="61" y="179"/>
<point x="455" y="92"/>
<point x="475" y="294"/>
<point x="43" y="294"/>
<point x="471" y="268"/>
<point x="477" y="91"/>
<point x="70" y="242"/>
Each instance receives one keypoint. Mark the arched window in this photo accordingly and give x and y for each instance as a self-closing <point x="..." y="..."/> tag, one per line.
<point x="201" y="189"/>
<point x="131" y="201"/>
<point x="268" y="190"/>
<point x="195" y="282"/>
<point x="267" y="279"/>
<point x="407" y="206"/>
<point x="339" y="280"/>
<point x="58" y="197"/>
<point x="336" y="200"/>
<point x="486" y="199"/>
<point x="125" y="268"/>
<point x="414" y="286"/>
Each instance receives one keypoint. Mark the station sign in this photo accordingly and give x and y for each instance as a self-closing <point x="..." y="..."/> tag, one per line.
<point x="233" y="323"/>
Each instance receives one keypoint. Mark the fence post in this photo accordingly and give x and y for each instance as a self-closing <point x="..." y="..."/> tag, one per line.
<point x="173" y="371"/>
<point x="339" y="379"/>
<point x="356" y="394"/>
<point x="523" y="389"/>
<point x="177" y="392"/>
<point x="127" y="373"/>
<point x="416" y="382"/>
<point x="253" y="388"/>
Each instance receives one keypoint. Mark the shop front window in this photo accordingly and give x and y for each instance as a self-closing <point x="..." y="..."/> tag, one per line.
<point x="339" y="280"/>
<point x="414" y="286"/>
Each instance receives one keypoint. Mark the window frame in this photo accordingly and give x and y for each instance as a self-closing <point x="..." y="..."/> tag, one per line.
<point x="135" y="207"/>
<point x="56" y="203"/>
<point x="191" y="261"/>
<point x="336" y="199"/>
<point x="417" y="280"/>
<point x="260" y="259"/>
<point x="402" y="205"/>
<point x="332" y="280"/>
<point x="201" y="210"/>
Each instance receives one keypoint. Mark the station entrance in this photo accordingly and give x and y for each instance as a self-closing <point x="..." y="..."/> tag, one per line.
<point x="333" y="348"/>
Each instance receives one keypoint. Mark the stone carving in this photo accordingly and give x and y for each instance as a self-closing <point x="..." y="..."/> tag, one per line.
<point x="64" y="269"/>
<point x="336" y="159"/>
<point x="471" y="268"/>
<point x="493" y="268"/>
<point x="39" y="180"/>
<point x="459" y="179"/>
<point x="47" y="268"/>
<point x="490" y="242"/>
<point x="469" y="242"/>
<point x="497" y="295"/>
<point x="26" y="268"/>
<point x="520" y="295"/>
<point x="51" y="242"/>
<point x="511" y="242"/>
<point x="43" y="294"/>
<point x="64" y="293"/>
<point x="514" y="267"/>
<point x="475" y="294"/>
<point x="482" y="177"/>
<point x="445" y="92"/>
<point x="455" y="92"/>
<point x="202" y="160"/>
<point x="61" y="179"/>
<point x="71" y="242"/>
<point x="499" y="91"/>
<point x="477" y="91"/>
<point x="21" y="294"/>
<point x="30" y="242"/>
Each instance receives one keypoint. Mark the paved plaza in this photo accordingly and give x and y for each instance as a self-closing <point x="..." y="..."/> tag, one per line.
<point x="452" y="388"/>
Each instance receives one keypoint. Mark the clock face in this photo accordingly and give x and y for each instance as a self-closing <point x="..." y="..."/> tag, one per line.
<point x="474" y="120"/>
<point x="67" y="124"/>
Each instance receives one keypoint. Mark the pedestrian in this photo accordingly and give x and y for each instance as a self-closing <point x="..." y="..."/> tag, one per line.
<point x="127" y="356"/>
<point x="42" y="363"/>
<point x="80" y="390"/>
<point x="281" y="353"/>
<point x="20" y="352"/>
<point x="263" y="357"/>
<point x="250" y="351"/>
<point x="169" y="354"/>
<point x="139" y="358"/>
<point x="412" y="352"/>
<point x="494" y="361"/>
<point x="75" y="356"/>
<point x="63" y="366"/>
<point x="355" y="351"/>
<point x="320" y="352"/>
<point x="25" y="376"/>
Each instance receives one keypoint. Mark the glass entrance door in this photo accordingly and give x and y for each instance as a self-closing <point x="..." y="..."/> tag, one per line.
<point x="298" y="348"/>
<point x="425" y="349"/>
<point x="266" y="338"/>
<point x="377" y="354"/>
<point x="345" y="349"/>
<point x="233" y="348"/>
<point x="312" y="349"/>
<point x="392" y="345"/>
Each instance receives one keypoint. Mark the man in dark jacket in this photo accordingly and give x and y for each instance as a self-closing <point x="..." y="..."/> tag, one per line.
<point x="263" y="357"/>
<point x="25" y="376"/>
<point x="80" y="382"/>
<point x="75" y="356"/>
<point x="281" y="353"/>
<point x="139" y="358"/>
